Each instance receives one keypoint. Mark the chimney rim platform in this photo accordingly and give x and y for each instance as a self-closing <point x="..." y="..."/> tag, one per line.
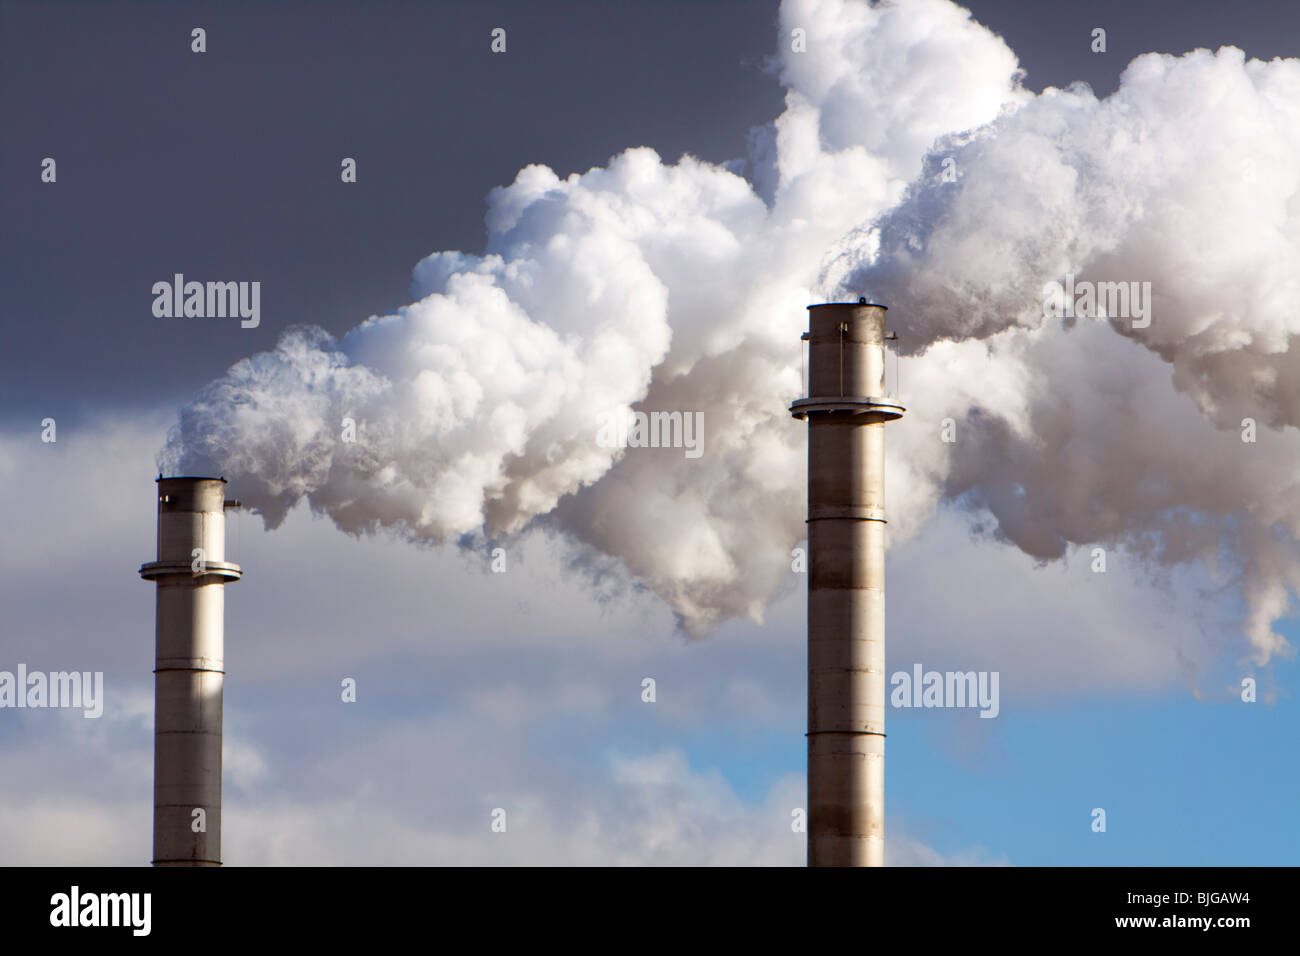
<point x="885" y="409"/>
<point x="222" y="569"/>
<point x="162" y="477"/>
<point x="860" y="304"/>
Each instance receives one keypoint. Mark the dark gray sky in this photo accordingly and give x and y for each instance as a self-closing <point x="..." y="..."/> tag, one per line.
<point x="225" y="165"/>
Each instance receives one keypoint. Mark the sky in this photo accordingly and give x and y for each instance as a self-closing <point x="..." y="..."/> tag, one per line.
<point x="522" y="690"/>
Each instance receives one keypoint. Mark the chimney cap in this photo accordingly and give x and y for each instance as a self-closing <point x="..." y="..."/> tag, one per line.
<point x="861" y="303"/>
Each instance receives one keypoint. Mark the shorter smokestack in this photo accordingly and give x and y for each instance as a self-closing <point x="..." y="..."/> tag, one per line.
<point x="191" y="573"/>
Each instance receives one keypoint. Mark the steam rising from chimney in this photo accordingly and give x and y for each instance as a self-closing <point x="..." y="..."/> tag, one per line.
<point x="681" y="288"/>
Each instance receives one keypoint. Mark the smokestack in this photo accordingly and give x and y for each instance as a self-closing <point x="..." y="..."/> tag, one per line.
<point x="191" y="572"/>
<point x="846" y="412"/>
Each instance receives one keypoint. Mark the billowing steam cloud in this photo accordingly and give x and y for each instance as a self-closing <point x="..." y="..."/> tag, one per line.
<point x="682" y="288"/>
<point x="1187" y="178"/>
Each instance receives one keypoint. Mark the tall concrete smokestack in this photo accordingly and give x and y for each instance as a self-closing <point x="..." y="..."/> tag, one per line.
<point x="846" y="412"/>
<point x="191" y="572"/>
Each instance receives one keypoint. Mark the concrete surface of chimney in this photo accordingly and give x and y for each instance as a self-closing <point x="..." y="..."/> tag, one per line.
<point x="191" y="573"/>
<point x="846" y="409"/>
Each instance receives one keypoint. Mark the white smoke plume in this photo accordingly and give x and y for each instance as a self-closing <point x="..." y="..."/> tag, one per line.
<point x="1186" y="178"/>
<point x="681" y="287"/>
